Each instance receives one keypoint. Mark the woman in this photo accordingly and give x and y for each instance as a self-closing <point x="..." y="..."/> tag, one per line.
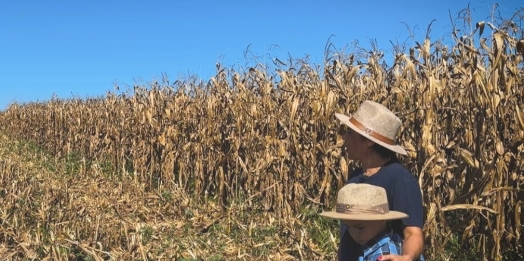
<point x="369" y="137"/>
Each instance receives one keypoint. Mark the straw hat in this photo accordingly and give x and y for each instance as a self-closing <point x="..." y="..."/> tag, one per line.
<point x="375" y="122"/>
<point x="361" y="201"/>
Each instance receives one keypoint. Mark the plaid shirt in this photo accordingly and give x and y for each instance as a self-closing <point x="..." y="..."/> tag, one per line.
<point x="383" y="244"/>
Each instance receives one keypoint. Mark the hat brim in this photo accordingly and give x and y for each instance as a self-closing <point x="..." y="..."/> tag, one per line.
<point x="387" y="216"/>
<point x="345" y="119"/>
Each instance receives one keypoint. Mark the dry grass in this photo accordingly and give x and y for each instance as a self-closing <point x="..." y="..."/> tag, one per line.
<point x="65" y="210"/>
<point x="266" y="142"/>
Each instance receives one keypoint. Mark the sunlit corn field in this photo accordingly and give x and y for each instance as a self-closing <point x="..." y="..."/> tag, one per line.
<point x="237" y="167"/>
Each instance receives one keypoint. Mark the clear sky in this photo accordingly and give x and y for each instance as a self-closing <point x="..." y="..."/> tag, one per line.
<point x="81" y="48"/>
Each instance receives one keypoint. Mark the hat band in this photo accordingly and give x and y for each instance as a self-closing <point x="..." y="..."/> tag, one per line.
<point x="371" y="132"/>
<point x="362" y="209"/>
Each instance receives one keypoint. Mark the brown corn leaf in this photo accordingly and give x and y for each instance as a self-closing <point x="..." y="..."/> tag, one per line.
<point x="468" y="206"/>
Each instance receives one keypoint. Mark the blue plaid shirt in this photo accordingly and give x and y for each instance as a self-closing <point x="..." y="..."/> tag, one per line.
<point x="383" y="244"/>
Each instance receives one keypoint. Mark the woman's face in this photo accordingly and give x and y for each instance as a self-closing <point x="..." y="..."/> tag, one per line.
<point x="354" y="144"/>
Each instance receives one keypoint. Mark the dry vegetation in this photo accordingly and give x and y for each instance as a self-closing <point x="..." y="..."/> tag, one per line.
<point x="69" y="210"/>
<point x="237" y="167"/>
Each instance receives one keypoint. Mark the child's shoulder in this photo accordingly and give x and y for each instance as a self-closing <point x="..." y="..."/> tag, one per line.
<point x="390" y="243"/>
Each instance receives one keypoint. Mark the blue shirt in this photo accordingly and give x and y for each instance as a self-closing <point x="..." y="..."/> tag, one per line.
<point x="383" y="244"/>
<point x="404" y="195"/>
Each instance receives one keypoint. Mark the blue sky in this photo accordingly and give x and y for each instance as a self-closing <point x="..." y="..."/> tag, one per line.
<point x="81" y="48"/>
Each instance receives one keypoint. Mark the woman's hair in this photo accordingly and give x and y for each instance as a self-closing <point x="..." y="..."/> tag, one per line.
<point x="383" y="152"/>
<point x="388" y="154"/>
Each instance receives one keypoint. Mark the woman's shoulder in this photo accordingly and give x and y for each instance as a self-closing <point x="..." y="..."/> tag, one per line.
<point x="398" y="168"/>
<point x="393" y="174"/>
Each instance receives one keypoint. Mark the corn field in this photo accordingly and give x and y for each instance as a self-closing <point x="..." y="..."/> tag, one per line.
<point x="268" y="139"/>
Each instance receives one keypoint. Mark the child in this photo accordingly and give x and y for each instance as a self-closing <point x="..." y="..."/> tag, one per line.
<point x="364" y="209"/>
